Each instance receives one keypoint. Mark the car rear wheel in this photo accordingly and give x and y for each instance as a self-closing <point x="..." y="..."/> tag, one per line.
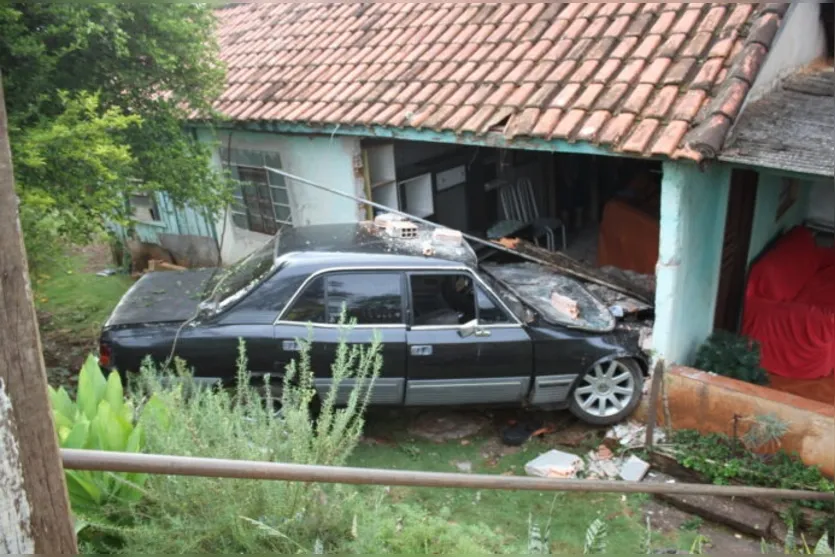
<point x="608" y="392"/>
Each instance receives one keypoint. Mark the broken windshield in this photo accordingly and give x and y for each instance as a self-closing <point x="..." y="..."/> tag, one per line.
<point x="537" y="286"/>
<point x="243" y="274"/>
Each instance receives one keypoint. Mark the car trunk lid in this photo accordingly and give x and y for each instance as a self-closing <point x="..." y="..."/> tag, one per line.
<point x="161" y="297"/>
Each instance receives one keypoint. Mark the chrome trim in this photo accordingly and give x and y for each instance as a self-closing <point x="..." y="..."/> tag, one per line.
<point x="419" y="384"/>
<point x="394" y="268"/>
<point x="337" y="325"/>
<point x="554" y="381"/>
<point x="457" y="327"/>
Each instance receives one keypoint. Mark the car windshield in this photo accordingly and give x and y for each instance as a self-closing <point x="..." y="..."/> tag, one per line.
<point x="509" y="299"/>
<point x="241" y="276"/>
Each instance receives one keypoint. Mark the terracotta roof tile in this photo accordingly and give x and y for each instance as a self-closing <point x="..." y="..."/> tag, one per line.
<point x="568" y="124"/>
<point x="649" y="78"/>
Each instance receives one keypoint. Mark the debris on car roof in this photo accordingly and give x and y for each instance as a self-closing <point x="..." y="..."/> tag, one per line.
<point x="387" y="233"/>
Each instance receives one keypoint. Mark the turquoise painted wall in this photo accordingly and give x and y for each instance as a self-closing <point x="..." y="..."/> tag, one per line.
<point x="693" y="208"/>
<point x="766" y="226"/>
<point x="173" y="220"/>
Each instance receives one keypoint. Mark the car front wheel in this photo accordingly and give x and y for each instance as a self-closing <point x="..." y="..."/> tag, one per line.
<point x="608" y="392"/>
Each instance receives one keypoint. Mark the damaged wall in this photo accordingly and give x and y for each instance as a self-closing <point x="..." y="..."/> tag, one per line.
<point x="322" y="159"/>
<point x="693" y="208"/>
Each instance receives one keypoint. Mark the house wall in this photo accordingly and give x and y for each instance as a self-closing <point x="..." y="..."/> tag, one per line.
<point x="821" y="204"/>
<point x="766" y="225"/>
<point x="800" y="40"/>
<point x="693" y="207"/>
<point x="173" y="220"/>
<point x="325" y="160"/>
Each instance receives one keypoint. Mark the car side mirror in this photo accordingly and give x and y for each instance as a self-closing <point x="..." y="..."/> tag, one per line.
<point x="468" y="329"/>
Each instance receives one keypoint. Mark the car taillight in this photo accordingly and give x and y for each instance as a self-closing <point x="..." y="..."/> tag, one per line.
<point x="105" y="353"/>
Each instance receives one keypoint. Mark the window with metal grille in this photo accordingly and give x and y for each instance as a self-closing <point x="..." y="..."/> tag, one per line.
<point x="262" y="201"/>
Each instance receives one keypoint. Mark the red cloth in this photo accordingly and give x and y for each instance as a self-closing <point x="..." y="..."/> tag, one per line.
<point x="790" y="307"/>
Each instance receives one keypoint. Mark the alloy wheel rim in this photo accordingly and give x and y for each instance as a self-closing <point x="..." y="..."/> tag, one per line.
<point x="605" y="390"/>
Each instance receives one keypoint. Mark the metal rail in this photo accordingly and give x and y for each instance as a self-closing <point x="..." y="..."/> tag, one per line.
<point x="249" y="470"/>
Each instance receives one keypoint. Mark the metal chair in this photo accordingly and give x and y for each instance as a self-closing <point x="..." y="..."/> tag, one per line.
<point x="518" y="203"/>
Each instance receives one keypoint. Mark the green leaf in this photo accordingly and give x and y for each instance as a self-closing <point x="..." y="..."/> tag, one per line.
<point x="114" y="393"/>
<point x="822" y="548"/>
<point x="78" y="438"/>
<point x="61" y="403"/>
<point x="111" y="431"/>
<point x="91" y="387"/>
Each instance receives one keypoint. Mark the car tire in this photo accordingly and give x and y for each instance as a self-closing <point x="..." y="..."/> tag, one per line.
<point x="600" y="396"/>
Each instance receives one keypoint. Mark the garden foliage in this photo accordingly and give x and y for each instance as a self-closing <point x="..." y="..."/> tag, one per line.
<point x="732" y="356"/>
<point x="99" y="419"/>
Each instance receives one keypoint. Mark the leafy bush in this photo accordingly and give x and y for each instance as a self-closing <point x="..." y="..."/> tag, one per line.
<point x="732" y="356"/>
<point x="193" y="515"/>
<point x="99" y="419"/>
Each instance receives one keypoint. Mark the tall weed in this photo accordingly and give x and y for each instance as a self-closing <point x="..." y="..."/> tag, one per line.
<point x="190" y="515"/>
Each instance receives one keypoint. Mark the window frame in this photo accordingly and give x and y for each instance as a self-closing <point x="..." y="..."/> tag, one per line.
<point x="405" y="272"/>
<point x="325" y="276"/>
<point x="513" y="322"/>
<point x="238" y="158"/>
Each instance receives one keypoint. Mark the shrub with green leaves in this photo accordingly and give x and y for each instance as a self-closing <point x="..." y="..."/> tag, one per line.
<point x="733" y="356"/>
<point x="195" y="515"/>
<point x="99" y="419"/>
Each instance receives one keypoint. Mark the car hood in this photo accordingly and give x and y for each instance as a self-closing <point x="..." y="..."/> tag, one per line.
<point x="161" y="297"/>
<point x="535" y="284"/>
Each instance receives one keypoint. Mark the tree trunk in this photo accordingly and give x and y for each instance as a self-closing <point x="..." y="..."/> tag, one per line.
<point x="34" y="509"/>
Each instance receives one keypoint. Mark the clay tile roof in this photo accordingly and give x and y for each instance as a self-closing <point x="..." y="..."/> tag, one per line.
<point x="646" y="79"/>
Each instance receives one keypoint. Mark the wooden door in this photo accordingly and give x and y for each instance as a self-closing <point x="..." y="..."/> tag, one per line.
<point x="734" y="269"/>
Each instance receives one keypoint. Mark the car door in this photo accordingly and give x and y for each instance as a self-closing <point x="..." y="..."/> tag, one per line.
<point x="463" y="346"/>
<point x="375" y="300"/>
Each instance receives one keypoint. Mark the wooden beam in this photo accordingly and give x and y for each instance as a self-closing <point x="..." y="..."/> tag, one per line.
<point x="34" y="509"/>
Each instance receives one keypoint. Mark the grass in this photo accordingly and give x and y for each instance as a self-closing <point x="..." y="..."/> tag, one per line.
<point x="77" y="302"/>
<point x="505" y="513"/>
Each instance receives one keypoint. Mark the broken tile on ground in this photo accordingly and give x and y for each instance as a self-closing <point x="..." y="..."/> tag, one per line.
<point x="555" y="464"/>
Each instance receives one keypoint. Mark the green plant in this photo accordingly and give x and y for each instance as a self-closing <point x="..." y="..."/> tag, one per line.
<point x="733" y="356"/>
<point x="766" y="431"/>
<point x="99" y="419"/>
<point x="722" y="461"/>
<point x="195" y="515"/>
<point x="596" y="537"/>
<point x="692" y="524"/>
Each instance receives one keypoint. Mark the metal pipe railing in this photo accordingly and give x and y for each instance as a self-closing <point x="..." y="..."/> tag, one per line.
<point x="105" y="461"/>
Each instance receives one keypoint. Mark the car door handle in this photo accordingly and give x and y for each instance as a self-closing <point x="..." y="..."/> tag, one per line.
<point x="421" y="350"/>
<point x="482" y="333"/>
<point x="290" y="346"/>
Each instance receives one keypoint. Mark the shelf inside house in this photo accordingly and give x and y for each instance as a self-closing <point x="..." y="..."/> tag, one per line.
<point x="386" y="195"/>
<point x="418" y="191"/>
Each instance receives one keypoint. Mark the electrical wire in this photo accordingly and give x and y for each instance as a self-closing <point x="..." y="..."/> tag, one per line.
<point x="218" y="266"/>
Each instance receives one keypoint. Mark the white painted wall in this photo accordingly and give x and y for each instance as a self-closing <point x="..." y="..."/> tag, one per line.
<point x="325" y="160"/>
<point x="800" y="40"/>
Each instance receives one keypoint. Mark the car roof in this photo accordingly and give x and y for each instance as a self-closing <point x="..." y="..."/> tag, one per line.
<point x="363" y="245"/>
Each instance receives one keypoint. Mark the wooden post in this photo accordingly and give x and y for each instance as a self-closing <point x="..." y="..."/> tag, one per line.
<point x="654" y="393"/>
<point x="34" y="509"/>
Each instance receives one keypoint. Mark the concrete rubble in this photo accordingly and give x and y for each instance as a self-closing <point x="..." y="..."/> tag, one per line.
<point x="555" y="464"/>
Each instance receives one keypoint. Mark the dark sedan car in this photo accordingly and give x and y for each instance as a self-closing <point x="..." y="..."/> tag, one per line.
<point x="454" y="332"/>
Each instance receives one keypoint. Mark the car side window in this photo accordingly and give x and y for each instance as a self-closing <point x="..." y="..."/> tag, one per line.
<point x="370" y="298"/>
<point x="442" y="299"/>
<point x="489" y="313"/>
<point x="309" y="307"/>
